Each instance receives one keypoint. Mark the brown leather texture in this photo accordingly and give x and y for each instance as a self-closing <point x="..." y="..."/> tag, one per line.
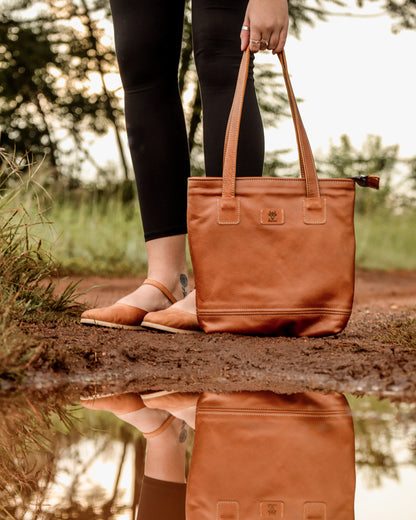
<point x="259" y="455"/>
<point x="272" y="255"/>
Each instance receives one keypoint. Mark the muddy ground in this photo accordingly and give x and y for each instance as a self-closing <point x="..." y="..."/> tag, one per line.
<point x="370" y="357"/>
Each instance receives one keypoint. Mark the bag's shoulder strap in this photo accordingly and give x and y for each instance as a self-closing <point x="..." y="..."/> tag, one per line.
<point x="307" y="163"/>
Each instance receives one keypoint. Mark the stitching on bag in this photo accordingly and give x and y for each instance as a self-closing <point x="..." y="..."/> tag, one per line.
<point x="295" y="310"/>
<point x="228" y="502"/>
<point x="335" y="411"/>
<point x="197" y="180"/>
<point x="219" y="221"/>
<point x="272" y="414"/>
<point x="306" y="221"/>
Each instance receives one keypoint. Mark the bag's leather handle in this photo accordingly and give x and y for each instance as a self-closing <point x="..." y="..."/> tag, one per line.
<point x="307" y="163"/>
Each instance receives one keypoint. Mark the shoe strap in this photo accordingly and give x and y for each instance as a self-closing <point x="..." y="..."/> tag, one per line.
<point x="161" y="428"/>
<point x="162" y="288"/>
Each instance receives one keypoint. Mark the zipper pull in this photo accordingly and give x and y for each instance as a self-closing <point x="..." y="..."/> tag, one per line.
<point x="367" y="181"/>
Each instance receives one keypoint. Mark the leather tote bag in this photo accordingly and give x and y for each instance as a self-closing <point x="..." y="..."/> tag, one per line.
<point x="271" y="255"/>
<point x="259" y="455"/>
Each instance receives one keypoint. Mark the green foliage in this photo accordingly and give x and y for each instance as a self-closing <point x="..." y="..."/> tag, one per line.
<point x="386" y="240"/>
<point x="45" y="87"/>
<point x="49" y="51"/>
<point x="27" y="292"/>
<point x="377" y="425"/>
<point x="344" y="160"/>
<point x="403" y="13"/>
<point x="97" y="236"/>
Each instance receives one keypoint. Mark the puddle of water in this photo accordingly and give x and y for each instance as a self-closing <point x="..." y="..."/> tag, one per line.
<point x="91" y="471"/>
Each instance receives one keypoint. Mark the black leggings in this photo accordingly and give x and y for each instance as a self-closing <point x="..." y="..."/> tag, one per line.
<point x="148" y="35"/>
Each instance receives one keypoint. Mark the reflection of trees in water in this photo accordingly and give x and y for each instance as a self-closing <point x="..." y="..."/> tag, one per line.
<point x="378" y="425"/>
<point x="64" y="459"/>
<point x="96" y="502"/>
<point x="384" y="434"/>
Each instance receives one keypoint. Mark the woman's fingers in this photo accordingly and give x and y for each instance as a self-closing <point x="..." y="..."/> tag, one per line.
<point x="265" y="25"/>
<point x="245" y="35"/>
<point x="255" y="41"/>
<point x="281" y="42"/>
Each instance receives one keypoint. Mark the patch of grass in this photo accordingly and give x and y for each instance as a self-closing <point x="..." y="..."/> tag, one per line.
<point x="97" y="236"/>
<point x="26" y="294"/>
<point x="401" y="333"/>
<point x="386" y="240"/>
<point x="26" y="269"/>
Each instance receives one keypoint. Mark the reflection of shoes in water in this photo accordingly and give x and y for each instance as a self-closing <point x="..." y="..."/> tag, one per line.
<point x="121" y="315"/>
<point x="130" y="408"/>
<point x="116" y="403"/>
<point x="179" y="404"/>
<point x="172" y="320"/>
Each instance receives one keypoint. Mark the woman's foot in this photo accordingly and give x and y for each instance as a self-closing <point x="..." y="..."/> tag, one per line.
<point x="128" y="312"/>
<point x="130" y="408"/>
<point x="187" y="304"/>
<point x="167" y="282"/>
<point x="180" y="404"/>
<point x="179" y="318"/>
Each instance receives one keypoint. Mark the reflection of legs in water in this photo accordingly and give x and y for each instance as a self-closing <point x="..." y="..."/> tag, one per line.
<point x="163" y="488"/>
<point x="166" y="435"/>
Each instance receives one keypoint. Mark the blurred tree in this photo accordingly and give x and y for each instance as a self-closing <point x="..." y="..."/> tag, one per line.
<point x="344" y="160"/>
<point x="49" y="52"/>
<point x="52" y="50"/>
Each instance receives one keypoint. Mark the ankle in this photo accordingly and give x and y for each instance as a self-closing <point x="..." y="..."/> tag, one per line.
<point x="177" y="282"/>
<point x="166" y="453"/>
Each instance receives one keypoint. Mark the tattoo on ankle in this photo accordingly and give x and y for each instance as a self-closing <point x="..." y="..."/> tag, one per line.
<point x="183" y="434"/>
<point x="184" y="284"/>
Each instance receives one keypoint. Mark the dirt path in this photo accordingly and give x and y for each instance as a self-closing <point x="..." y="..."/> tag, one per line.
<point x="369" y="357"/>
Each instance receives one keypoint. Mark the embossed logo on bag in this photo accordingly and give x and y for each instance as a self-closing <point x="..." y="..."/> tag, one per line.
<point x="272" y="216"/>
<point x="271" y="509"/>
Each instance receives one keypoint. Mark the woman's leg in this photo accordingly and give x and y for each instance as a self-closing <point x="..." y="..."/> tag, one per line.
<point x="148" y="35"/>
<point x="166" y="435"/>
<point x="217" y="50"/>
<point x="163" y="488"/>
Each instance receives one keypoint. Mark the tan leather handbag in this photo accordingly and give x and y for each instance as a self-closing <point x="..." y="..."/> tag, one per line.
<point x="259" y="455"/>
<point x="272" y="255"/>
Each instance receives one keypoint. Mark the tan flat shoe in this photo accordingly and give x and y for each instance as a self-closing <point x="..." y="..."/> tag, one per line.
<point x="116" y="403"/>
<point x="172" y="320"/>
<point x="121" y="315"/>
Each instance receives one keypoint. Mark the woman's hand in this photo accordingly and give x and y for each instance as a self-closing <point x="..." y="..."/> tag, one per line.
<point x="265" y="25"/>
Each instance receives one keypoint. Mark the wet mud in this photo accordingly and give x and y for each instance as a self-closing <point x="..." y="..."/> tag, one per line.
<point x="367" y="358"/>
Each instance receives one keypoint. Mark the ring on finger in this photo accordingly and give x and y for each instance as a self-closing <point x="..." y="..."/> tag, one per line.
<point x="256" y="42"/>
<point x="245" y="28"/>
